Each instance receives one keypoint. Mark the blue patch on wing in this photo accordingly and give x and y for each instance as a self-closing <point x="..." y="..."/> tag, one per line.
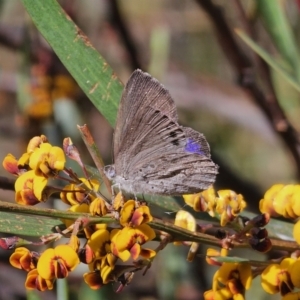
<point x="193" y="147"/>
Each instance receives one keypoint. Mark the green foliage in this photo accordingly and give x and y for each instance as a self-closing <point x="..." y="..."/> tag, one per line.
<point x="86" y="65"/>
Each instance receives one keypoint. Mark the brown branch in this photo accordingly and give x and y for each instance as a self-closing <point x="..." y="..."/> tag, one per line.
<point x="263" y="69"/>
<point x="120" y="25"/>
<point x="245" y="71"/>
<point x="95" y="154"/>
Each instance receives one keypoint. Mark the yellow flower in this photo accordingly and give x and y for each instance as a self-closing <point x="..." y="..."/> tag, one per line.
<point x="98" y="207"/>
<point x="86" y="255"/>
<point x="41" y="106"/>
<point x="221" y="294"/>
<point x="276" y="277"/>
<point x="35" y="142"/>
<point x="266" y="204"/>
<point x="47" y="160"/>
<point x="118" y="202"/>
<point x="63" y="87"/>
<point x="35" y="281"/>
<point x="283" y="202"/>
<point x="104" y="266"/>
<point x="100" y="242"/>
<point x="72" y="194"/>
<point x="76" y="194"/>
<point x="229" y="205"/>
<point x="105" y="273"/>
<point x="132" y="216"/>
<point x="57" y="262"/>
<point x="141" y="215"/>
<point x="10" y="164"/>
<point x="23" y="161"/>
<point x="127" y="242"/>
<point x="23" y="259"/>
<point x="296" y="202"/>
<point x="93" y="280"/>
<point x="294" y="271"/>
<point x="204" y="201"/>
<point x="29" y="188"/>
<point x="211" y="253"/>
<point x="17" y="167"/>
<point x="237" y="277"/>
<point x="186" y="220"/>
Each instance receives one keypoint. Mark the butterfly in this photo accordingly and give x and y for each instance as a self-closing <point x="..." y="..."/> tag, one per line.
<point x="152" y="153"/>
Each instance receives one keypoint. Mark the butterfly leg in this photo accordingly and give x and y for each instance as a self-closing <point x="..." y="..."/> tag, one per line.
<point x="113" y="186"/>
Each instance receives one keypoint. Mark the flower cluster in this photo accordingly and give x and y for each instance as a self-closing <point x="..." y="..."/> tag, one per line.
<point x="46" y="89"/>
<point x="227" y="204"/>
<point x="283" y="200"/>
<point x="126" y="244"/>
<point x="113" y="233"/>
<point x="105" y="246"/>
<point x="44" y="268"/>
<point x="234" y="276"/>
<point x="41" y="162"/>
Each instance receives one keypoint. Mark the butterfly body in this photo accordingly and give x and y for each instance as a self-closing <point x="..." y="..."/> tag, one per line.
<point x="153" y="154"/>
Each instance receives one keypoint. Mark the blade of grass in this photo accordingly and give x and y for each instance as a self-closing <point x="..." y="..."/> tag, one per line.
<point x="268" y="59"/>
<point x="277" y="24"/>
<point x="86" y="65"/>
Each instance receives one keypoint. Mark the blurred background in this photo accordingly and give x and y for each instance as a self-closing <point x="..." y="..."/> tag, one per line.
<point x="248" y="113"/>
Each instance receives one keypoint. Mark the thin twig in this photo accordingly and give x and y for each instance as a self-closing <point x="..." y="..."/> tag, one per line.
<point x="120" y="25"/>
<point x="245" y="71"/>
<point x="95" y="153"/>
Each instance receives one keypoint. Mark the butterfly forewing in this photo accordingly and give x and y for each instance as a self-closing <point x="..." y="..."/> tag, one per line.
<point x="141" y="91"/>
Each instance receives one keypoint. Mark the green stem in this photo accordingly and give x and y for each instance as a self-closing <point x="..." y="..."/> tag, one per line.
<point x="177" y="233"/>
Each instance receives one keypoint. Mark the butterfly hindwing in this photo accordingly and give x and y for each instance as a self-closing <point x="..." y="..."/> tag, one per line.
<point x="166" y="158"/>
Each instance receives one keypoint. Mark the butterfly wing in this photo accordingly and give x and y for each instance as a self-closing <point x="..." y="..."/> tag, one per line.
<point x="153" y="153"/>
<point x="140" y="91"/>
<point x="166" y="158"/>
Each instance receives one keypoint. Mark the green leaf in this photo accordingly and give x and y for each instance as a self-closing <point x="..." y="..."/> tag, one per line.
<point x="230" y="259"/>
<point x="86" y="65"/>
<point x="240" y="260"/>
<point x="34" y="226"/>
<point x="277" y="24"/>
<point x="269" y="59"/>
<point x="35" y="221"/>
